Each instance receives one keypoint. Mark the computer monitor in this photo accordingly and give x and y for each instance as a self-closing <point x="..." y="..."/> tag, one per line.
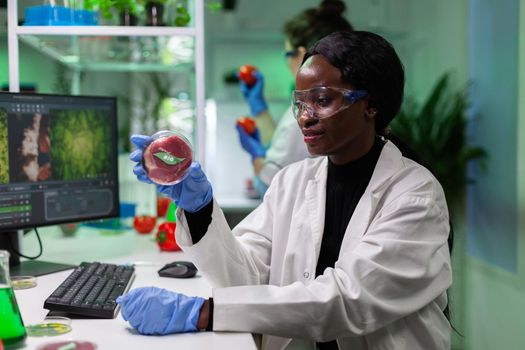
<point x="58" y="164"/>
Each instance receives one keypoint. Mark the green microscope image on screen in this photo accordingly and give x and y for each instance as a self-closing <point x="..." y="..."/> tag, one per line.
<point x="81" y="144"/>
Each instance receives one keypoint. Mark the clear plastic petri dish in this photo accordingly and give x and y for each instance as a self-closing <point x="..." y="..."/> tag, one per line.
<point x="23" y="282"/>
<point x="57" y="319"/>
<point x="167" y="159"/>
<point x="49" y="327"/>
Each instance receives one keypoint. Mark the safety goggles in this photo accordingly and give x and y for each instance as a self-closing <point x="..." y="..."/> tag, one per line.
<point x="290" y="53"/>
<point x="323" y="102"/>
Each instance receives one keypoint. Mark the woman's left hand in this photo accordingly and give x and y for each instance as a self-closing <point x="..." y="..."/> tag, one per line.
<point x="153" y="310"/>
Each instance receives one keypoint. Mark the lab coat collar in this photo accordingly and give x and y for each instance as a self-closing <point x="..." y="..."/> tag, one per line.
<point x="389" y="162"/>
<point x="316" y="203"/>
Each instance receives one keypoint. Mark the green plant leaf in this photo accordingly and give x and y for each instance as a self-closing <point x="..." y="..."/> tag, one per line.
<point x="214" y="6"/>
<point x="436" y="131"/>
<point x="168" y="158"/>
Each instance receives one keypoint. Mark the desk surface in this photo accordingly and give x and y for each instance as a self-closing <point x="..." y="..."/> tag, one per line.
<point x="125" y="247"/>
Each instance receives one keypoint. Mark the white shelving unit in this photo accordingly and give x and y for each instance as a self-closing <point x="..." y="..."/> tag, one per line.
<point x="15" y="33"/>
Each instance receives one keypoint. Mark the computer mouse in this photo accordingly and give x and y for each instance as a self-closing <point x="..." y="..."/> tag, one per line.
<point x="178" y="269"/>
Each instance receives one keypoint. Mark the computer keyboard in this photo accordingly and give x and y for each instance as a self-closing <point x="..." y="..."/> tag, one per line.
<point x="91" y="290"/>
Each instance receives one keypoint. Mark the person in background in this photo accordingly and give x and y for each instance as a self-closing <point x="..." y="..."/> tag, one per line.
<point x="286" y="144"/>
<point x="348" y="250"/>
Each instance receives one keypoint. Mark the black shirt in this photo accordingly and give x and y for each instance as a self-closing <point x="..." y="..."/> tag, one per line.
<point x="345" y="185"/>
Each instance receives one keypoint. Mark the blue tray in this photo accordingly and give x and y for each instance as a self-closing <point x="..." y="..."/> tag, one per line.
<point x="47" y="15"/>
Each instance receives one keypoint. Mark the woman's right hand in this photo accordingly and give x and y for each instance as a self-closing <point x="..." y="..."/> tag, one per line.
<point x="191" y="194"/>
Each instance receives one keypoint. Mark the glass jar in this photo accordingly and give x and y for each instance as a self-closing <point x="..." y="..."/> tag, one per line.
<point x="12" y="332"/>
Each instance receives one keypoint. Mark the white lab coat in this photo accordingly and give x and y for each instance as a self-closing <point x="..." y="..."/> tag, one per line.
<point x="387" y="289"/>
<point x="287" y="147"/>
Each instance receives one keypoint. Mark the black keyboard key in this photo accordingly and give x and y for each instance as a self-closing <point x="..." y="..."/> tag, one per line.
<point x="100" y="270"/>
<point x="95" y="291"/>
<point x="72" y="278"/>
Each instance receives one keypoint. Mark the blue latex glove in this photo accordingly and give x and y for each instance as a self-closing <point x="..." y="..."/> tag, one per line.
<point x="254" y="95"/>
<point x="191" y="194"/>
<point x="251" y="143"/>
<point x="153" y="310"/>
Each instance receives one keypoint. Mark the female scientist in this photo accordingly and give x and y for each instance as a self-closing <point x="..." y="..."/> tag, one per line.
<point x="286" y="145"/>
<point x="347" y="251"/>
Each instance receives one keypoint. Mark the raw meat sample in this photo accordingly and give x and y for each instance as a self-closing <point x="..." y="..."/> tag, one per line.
<point x="168" y="158"/>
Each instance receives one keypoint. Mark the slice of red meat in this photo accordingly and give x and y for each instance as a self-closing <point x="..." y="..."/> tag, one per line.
<point x="167" y="159"/>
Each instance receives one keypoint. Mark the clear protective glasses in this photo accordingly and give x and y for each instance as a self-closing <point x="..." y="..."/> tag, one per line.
<point x="290" y="53"/>
<point x="324" y="101"/>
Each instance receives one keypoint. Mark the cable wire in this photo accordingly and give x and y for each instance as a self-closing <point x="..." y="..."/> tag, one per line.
<point x="11" y="245"/>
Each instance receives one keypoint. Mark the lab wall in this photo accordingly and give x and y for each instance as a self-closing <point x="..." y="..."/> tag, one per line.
<point x="430" y="37"/>
<point x="494" y="278"/>
<point x="35" y="68"/>
<point x="493" y="61"/>
<point x="436" y="42"/>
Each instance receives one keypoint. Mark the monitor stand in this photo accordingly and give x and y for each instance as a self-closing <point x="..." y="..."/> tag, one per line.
<point x="9" y="241"/>
<point x="37" y="268"/>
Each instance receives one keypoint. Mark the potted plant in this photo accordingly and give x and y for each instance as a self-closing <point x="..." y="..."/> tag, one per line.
<point x="154" y="11"/>
<point x="437" y="131"/>
<point x="128" y="10"/>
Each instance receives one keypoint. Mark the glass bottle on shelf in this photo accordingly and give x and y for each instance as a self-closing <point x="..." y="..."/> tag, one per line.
<point x="12" y="332"/>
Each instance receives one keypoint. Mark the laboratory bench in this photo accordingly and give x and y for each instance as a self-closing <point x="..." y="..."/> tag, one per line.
<point x="120" y="247"/>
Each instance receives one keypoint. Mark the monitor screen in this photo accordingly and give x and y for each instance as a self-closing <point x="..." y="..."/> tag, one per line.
<point x="58" y="160"/>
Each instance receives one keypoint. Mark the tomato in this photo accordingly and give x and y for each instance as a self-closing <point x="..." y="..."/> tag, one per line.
<point x="246" y="74"/>
<point x="248" y="124"/>
<point x="166" y="237"/>
<point x="162" y="206"/>
<point x="144" y="223"/>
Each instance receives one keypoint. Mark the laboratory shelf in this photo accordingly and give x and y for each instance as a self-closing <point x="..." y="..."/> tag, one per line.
<point x="122" y="54"/>
<point x="105" y="30"/>
<point x="101" y="48"/>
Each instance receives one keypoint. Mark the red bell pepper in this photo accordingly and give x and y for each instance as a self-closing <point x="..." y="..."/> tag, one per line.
<point x="166" y="237"/>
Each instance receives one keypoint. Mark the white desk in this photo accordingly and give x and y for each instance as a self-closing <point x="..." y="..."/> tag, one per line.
<point x="95" y="245"/>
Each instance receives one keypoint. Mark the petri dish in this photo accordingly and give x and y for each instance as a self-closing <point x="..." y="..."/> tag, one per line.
<point x="51" y="326"/>
<point x="57" y="319"/>
<point x="167" y="159"/>
<point x="23" y="282"/>
<point x="68" y="345"/>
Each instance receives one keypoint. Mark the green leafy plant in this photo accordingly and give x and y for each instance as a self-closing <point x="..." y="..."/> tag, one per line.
<point x="90" y="4"/>
<point x="182" y="15"/>
<point x="105" y="6"/>
<point x="437" y="132"/>
<point x="126" y="5"/>
<point x="214" y="6"/>
<point x="163" y="2"/>
<point x="182" y="18"/>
